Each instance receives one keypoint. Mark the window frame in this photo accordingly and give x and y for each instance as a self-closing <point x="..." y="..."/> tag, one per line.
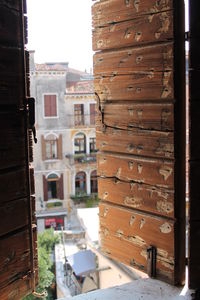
<point x="43" y="105"/>
<point x="85" y="143"/>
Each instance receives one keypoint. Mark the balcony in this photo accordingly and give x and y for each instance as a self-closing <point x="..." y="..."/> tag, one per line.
<point x="81" y="158"/>
<point x="76" y="121"/>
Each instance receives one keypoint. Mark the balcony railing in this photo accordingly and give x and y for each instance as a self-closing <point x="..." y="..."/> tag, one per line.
<point x="80" y="120"/>
<point x="81" y="158"/>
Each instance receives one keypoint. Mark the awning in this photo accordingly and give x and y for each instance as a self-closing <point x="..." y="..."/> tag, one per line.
<point x="82" y="262"/>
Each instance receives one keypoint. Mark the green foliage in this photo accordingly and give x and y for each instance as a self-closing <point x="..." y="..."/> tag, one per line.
<point x="47" y="240"/>
<point x="92" y="201"/>
<point x="53" y="204"/>
<point x="46" y="243"/>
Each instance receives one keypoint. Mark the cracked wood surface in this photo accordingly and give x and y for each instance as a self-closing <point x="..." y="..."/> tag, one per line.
<point x="153" y="172"/>
<point x="137" y="86"/>
<point x="137" y="82"/>
<point x="156" y="58"/>
<point x="18" y="240"/>
<point x="140" y="31"/>
<point x="137" y="196"/>
<point x="128" y="239"/>
<point x="15" y="258"/>
<point x="113" y="11"/>
<point x="150" y="116"/>
<point x="139" y="142"/>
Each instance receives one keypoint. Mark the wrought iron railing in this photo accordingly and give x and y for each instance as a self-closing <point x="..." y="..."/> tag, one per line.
<point x="86" y="120"/>
<point x="81" y="158"/>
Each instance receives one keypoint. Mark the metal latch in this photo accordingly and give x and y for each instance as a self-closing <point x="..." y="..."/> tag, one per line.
<point x="31" y="107"/>
<point x="187" y="36"/>
<point x="151" y="261"/>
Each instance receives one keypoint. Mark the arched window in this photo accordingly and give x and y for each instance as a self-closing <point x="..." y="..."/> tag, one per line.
<point x="53" y="187"/>
<point x="92" y="145"/>
<point x="93" y="182"/>
<point x="80" y="183"/>
<point x="80" y="143"/>
<point x="51" y="147"/>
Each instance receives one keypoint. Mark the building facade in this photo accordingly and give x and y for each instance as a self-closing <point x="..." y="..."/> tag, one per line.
<point x="65" y="155"/>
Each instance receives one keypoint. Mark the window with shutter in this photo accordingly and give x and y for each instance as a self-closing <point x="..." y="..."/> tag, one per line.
<point x="78" y="114"/>
<point x="80" y="183"/>
<point x="50" y="105"/>
<point x="18" y="250"/>
<point x="80" y="143"/>
<point x="61" y="191"/>
<point x="140" y="86"/>
<point x="51" y="147"/>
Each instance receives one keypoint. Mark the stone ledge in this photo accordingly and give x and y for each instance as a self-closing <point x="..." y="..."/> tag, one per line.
<point x="141" y="289"/>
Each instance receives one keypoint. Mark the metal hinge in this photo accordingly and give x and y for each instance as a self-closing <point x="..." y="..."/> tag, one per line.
<point x="31" y="110"/>
<point x="187" y="36"/>
<point x="151" y="261"/>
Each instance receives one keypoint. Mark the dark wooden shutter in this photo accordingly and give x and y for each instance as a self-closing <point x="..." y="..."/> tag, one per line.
<point x="45" y="188"/>
<point x="92" y="113"/>
<point x="194" y="161"/>
<point x="47" y="105"/>
<point x="53" y="105"/>
<point x="18" y="253"/>
<point x="43" y="147"/>
<point x="139" y="82"/>
<point x="61" y="191"/>
<point x="59" y="144"/>
<point x="50" y="106"/>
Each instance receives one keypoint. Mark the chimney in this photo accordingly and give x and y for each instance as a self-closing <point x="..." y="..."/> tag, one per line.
<point x="32" y="60"/>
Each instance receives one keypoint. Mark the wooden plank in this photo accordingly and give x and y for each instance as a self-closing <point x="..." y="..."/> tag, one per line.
<point x="13" y="5"/>
<point x="15" y="211"/>
<point x="145" y="116"/>
<point x="137" y="195"/>
<point x="143" y="30"/>
<point x="137" y="86"/>
<point x="139" y="80"/>
<point x="13" y="185"/>
<point x="17" y="290"/>
<point x="11" y="77"/>
<point x="15" y="258"/>
<point x="10" y="26"/>
<point x="158" y="173"/>
<point x="112" y="11"/>
<point x="12" y="131"/>
<point x="139" y="142"/>
<point x="157" y="58"/>
<point x="129" y="239"/>
<point x="11" y="60"/>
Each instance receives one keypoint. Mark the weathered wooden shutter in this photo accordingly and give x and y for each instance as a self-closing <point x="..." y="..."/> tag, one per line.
<point x="92" y="113"/>
<point x="50" y="106"/>
<point x="59" y="143"/>
<point x="43" y="147"/>
<point x="47" y="105"/>
<point x="18" y="253"/>
<point x="53" y="105"/>
<point x="139" y="82"/>
<point x="61" y="192"/>
<point x="45" y="188"/>
<point x="194" y="167"/>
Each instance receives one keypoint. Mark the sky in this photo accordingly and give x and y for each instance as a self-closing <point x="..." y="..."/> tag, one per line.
<point x="61" y="31"/>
